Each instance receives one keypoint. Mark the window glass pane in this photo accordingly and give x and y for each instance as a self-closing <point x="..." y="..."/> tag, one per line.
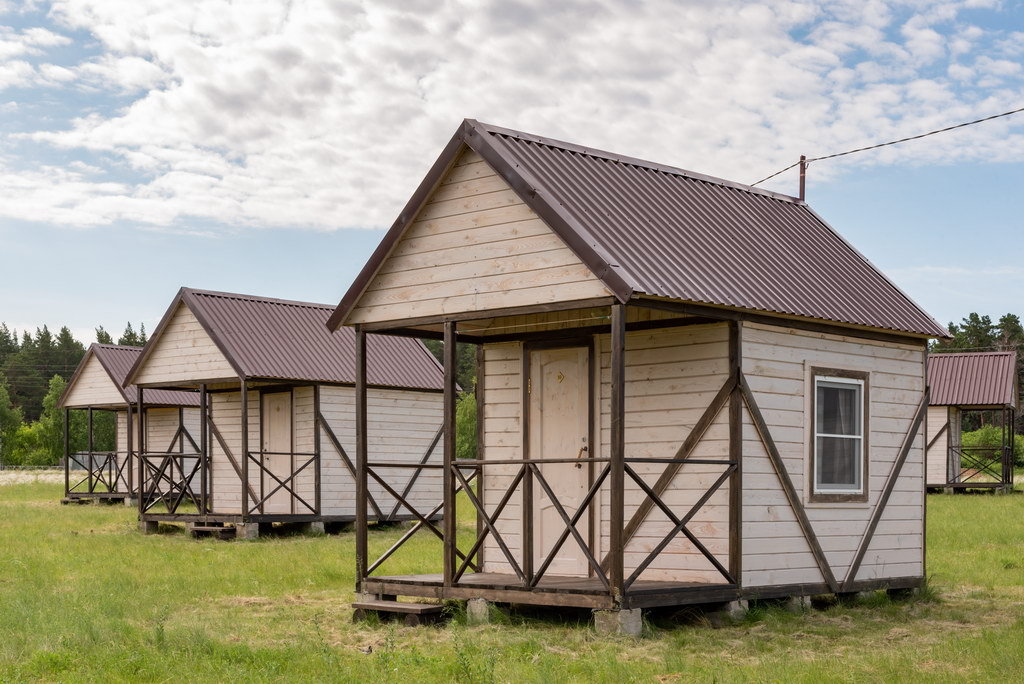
<point x="838" y="407"/>
<point x="838" y="463"/>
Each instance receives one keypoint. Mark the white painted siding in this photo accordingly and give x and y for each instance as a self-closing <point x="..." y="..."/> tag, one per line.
<point x="93" y="387"/>
<point x="777" y="363"/>
<point x="671" y="376"/>
<point x="474" y="246"/>
<point x="938" y="453"/>
<point x="184" y="353"/>
<point x="401" y="426"/>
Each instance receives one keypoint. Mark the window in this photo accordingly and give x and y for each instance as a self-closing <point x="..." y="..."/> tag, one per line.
<point x="839" y="462"/>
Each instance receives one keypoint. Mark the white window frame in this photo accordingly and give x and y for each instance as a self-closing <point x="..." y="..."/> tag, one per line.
<point x="861" y="455"/>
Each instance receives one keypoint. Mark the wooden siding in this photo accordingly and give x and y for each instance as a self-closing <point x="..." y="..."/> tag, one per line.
<point x="559" y="320"/>
<point x="938" y="453"/>
<point x="93" y="387"/>
<point x="777" y="363"/>
<point x="475" y="245"/>
<point x="402" y="425"/>
<point x="184" y="353"/>
<point x="161" y="426"/>
<point x="671" y="376"/>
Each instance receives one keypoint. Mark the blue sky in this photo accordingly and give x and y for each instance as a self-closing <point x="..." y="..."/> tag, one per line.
<point x="263" y="147"/>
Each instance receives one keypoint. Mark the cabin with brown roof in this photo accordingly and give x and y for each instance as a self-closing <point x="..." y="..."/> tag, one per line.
<point x="276" y="404"/>
<point x="962" y="384"/>
<point x="690" y="390"/>
<point x="172" y="420"/>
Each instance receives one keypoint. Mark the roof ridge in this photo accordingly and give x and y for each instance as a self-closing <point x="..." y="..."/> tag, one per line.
<point x="636" y="161"/>
<point x="258" y="298"/>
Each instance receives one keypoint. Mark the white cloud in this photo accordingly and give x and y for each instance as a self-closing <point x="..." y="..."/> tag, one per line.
<point x="326" y="114"/>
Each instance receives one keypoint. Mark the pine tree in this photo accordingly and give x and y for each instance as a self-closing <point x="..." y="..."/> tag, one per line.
<point x="103" y="337"/>
<point x="10" y="420"/>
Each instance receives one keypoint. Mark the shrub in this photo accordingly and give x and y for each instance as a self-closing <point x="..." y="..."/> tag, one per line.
<point x="992" y="435"/>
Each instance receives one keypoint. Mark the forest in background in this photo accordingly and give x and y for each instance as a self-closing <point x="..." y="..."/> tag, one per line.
<point x="35" y="369"/>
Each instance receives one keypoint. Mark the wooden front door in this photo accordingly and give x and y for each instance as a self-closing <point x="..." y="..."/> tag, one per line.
<point x="277" y="448"/>
<point x="559" y="428"/>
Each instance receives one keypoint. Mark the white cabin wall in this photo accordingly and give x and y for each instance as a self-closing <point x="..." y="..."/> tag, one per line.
<point x="401" y="425"/>
<point x="183" y="352"/>
<point x="475" y="245"/>
<point x="93" y="387"/>
<point x="938" y="453"/>
<point x="777" y="363"/>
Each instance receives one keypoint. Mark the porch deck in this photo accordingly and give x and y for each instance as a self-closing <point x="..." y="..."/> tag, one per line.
<point x="583" y="592"/>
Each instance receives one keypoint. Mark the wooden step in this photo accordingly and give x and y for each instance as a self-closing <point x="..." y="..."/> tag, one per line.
<point x="210" y="529"/>
<point x="412" y="613"/>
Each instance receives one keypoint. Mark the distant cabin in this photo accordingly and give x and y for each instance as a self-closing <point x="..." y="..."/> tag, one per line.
<point x="689" y="390"/>
<point x="277" y="402"/>
<point x="964" y="384"/>
<point x="172" y="421"/>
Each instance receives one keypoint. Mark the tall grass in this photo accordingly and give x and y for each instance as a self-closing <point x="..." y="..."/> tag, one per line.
<point x="85" y="597"/>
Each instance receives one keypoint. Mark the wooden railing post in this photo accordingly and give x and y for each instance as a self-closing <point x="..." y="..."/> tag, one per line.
<point x="128" y="444"/>
<point x="92" y="465"/>
<point x="140" y="426"/>
<point x="361" y="458"/>
<point x="204" y="462"/>
<point x="736" y="455"/>
<point x="617" y="473"/>
<point x="245" y="450"/>
<point x="67" y="453"/>
<point x="449" y="452"/>
<point x="316" y="448"/>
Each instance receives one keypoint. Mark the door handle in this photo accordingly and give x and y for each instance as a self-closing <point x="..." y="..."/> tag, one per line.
<point x="583" y="449"/>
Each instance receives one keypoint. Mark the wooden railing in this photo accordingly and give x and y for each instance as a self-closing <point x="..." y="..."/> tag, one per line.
<point x="105" y="471"/>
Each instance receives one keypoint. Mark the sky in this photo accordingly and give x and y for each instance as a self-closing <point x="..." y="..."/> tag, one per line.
<point x="264" y="146"/>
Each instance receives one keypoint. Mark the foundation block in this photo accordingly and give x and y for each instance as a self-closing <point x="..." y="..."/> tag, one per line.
<point x="627" y="622"/>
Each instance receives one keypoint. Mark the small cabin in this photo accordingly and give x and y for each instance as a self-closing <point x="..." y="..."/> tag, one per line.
<point x="276" y="406"/>
<point x="689" y="390"/>
<point x="972" y="389"/>
<point x="172" y="420"/>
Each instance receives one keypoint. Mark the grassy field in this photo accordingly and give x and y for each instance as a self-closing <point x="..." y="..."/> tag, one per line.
<point x="84" y="597"/>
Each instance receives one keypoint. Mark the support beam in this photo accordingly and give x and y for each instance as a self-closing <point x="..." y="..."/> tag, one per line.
<point x="129" y="444"/>
<point x="361" y="457"/>
<point x="67" y="452"/>
<point x="449" y="452"/>
<point x="617" y="463"/>
<point x="204" y="453"/>
<point x="736" y="455"/>
<point x="245" y="449"/>
<point x="140" y="426"/>
<point x="316" y="449"/>
<point x="91" y="465"/>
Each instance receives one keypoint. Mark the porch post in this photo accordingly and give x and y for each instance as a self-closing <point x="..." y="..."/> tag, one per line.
<point x="92" y="485"/>
<point x="204" y="463"/>
<point x="316" y="448"/>
<point x="245" y="450"/>
<point x="67" y="453"/>
<point x="361" y="458"/>
<point x="617" y="472"/>
<point x="449" y="452"/>
<point x="140" y="420"/>
<point x="129" y="443"/>
<point x="736" y="455"/>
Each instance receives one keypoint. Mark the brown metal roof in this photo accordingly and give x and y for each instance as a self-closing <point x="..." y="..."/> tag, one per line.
<point x="287" y="340"/>
<point x="973" y="379"/>
<point x="117" y="360"/>
<point x="649" y="229"/>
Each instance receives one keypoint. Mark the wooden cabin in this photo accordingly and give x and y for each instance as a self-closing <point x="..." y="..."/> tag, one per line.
<point x="172" y="421"/>
<point x="276" y="397"/>
<point x="690" y="390"/>
<point x="980" y="384"/>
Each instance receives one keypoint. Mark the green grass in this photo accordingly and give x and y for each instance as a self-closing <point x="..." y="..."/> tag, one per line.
<point x="85" y="597"/>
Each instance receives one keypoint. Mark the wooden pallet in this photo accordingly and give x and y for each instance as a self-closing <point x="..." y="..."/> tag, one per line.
<point x="412" y="614"/>
<point x="210" y="529"/>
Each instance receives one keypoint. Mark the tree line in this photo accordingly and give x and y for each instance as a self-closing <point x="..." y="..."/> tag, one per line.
<point x="34" y="371"/>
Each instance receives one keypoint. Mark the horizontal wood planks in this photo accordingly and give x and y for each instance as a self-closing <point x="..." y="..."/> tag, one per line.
<point x="777" y="365"/>
<point x="474" y="246"/>
<point x="93" y="387"/>
<point x="184" y="352"/>
<point x="938" y="445"/>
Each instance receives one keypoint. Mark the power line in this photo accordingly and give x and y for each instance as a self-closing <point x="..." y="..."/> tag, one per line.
<point x="891" y="142"/>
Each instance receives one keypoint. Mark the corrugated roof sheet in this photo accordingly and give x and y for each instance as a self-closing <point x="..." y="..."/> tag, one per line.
<point x="286" y="340"/>
<point x="118" y="360"/>
<point x="672" y="233"/>
<point x="973" y="379"/>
